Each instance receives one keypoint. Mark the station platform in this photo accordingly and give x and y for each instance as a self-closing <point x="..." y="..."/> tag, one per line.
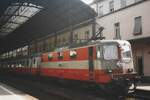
<point x="143" y="86"/>
<point x="9" y="93"/>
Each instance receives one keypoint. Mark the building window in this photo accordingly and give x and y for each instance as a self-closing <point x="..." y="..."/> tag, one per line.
<point x="111" y="6"/>
<point x="137" y="1"/>
<point x="44" y="46"/>
<point x="58" y="42"/>
<point x="87" y="34"/>
<point x="138" y="25"/>
<point x="100" y="11"/>
<point x="123" y="3"/>
<point x="75" y="37"/>
<point x="64" y="41"/>
<point x="49" y="46"/>
<point x="117" y="31"/>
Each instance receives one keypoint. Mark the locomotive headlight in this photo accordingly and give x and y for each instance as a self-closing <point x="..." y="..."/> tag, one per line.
<point x="109" y="71"/>
<point x="120" y="64"/>
<point x="130" y="70"/>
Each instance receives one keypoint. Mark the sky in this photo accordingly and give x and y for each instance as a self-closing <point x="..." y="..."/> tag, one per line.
<point x="87" y="1"/>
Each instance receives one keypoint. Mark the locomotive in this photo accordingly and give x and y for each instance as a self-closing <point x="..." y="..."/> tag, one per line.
<point x="105" y="63"/>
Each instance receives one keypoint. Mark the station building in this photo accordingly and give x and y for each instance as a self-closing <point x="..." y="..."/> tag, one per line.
<point x="128" y="20"/>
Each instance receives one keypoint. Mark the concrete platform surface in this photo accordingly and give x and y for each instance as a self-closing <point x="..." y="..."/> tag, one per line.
<point x="142" y="86"/>
<point x="9" y="93"/>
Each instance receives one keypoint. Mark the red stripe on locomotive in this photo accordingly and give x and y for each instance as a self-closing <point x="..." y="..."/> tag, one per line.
<point x="82" y="54"/>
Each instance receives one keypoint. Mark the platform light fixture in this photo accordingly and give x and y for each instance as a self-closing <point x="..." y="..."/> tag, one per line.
<point x="15" y="15"/>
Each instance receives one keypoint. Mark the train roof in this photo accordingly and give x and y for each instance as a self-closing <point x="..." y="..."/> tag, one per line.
<point x="73" y="46"/>
<point x="115" y="41"/>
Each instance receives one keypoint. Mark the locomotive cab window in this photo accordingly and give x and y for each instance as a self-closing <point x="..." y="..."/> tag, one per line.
<point x="98" y="53"/>
<point x="110" y="52"/>
<point x="126" y="53"/>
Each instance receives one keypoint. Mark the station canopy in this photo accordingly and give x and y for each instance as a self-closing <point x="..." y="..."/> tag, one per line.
<point x="22" y="21"/>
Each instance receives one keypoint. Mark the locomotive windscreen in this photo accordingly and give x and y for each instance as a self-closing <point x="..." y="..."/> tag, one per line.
<point x="110" y="52"/>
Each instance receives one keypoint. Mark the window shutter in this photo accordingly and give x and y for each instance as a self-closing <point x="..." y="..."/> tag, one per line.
<point x="138" y="26"/>
<point x="100" y="11"/>
<point x="111" y="6"/>
<point x="123" y="3"/>
<point x="117" y="31"/>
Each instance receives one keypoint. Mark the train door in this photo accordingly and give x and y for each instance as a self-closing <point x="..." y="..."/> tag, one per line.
<point x="30" y="64"/>
<point x="91" y="63"/>
<point x="38" y="61"/>
<point x="33" y="65"/>
<point x="36" y="65"/>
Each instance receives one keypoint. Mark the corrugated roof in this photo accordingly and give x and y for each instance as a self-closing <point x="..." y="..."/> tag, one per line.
<point x="56" y="15"/>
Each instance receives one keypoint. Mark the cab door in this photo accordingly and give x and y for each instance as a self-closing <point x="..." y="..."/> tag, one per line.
<point x="33" y="65"/>
<point x="36" y="68"/>
<point x="38" y="61"/>
<point x="91" y="63"/>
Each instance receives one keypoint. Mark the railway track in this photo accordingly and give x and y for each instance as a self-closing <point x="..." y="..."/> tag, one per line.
<point x="50" y="91"/>
<point x="34" y="89"/>
<point x="55" y="91"/>
<point x="140" y="95"/>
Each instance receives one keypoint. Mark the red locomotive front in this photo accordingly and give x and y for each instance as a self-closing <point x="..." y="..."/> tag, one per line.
<point x="101" y="62"/>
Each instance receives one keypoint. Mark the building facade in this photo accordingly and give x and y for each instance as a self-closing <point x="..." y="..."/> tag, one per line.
<point x="75" y="34"/>
<point x="78" y="33"/>
<point x="128" y="20"/>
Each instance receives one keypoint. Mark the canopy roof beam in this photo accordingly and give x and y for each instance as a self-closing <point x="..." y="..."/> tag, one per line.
<point x="17" y="14"/>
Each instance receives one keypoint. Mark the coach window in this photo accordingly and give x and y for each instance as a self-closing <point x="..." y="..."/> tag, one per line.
<point x="34" y="60"/>
<point x="27" y="64"/>
<point x="20" y="64"/>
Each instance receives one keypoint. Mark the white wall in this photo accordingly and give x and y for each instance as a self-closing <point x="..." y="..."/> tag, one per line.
<point x="117" y="5"/>
<point x="126" y="19"/>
